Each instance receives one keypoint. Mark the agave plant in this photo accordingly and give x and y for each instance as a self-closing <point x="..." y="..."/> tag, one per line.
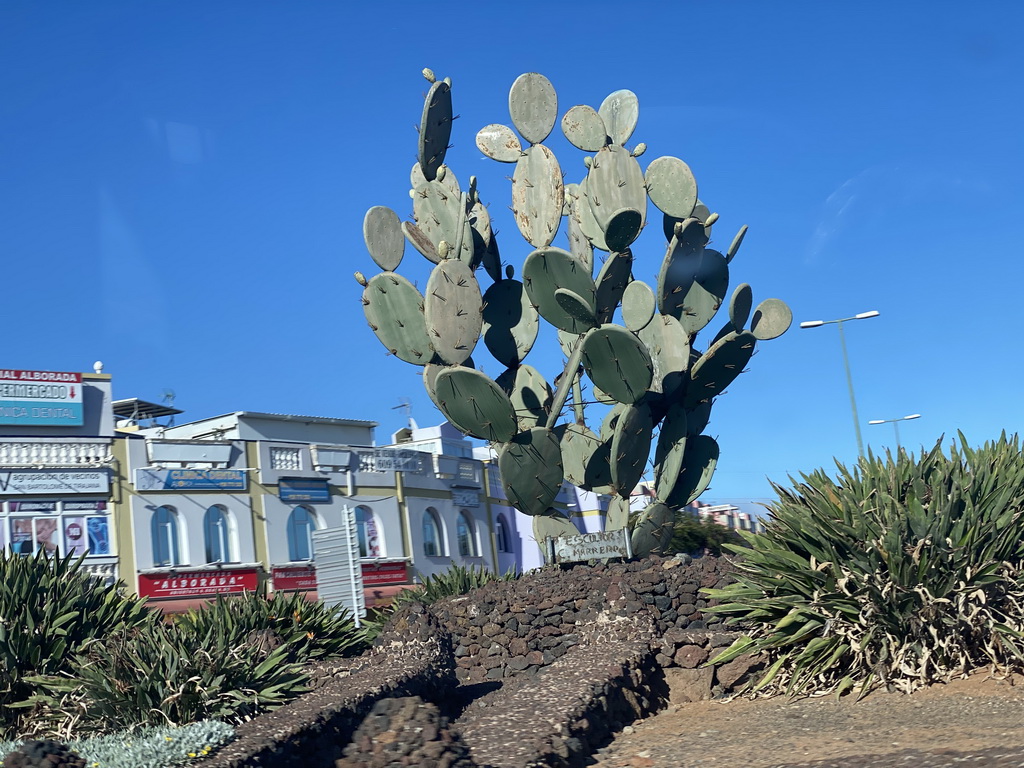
<point x="902" y="571"/>
<point x="457" y="580"/>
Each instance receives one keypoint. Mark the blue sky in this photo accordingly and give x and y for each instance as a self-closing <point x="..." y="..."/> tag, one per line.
<point x="184" y="186"/>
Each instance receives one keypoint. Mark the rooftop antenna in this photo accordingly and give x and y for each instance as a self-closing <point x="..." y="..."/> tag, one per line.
<point x="168" y="399"/>
<point x="405" y="405"/>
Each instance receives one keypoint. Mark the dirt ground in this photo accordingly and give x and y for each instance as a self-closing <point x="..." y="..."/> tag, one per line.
<point x="977" y="721"/>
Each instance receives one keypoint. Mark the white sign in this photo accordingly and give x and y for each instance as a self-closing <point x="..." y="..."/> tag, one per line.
<point x="592" y="546"/>
<point x="53" y="482"/>
<point x="396" y="460"/>
<point x="339" y="576"/>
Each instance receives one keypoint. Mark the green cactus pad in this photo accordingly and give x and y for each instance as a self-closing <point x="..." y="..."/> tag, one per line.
<point x="671" y="186"/>
<point x="669" y="347"/>
<point x="698" y="468"/>
<point x="588" y="224"/>
<point x="615" y="182"/>
<point x="430" y="372"/>
<point x="631" y="446"/>
<point x="394" y="310"/>
<point x="617" y="517"/>
<point x="719" y="366"/>
<point x="654" y="530"/>
<point x="617" y="362"/>
<point x="702" y="212"/>
<point x="584" y="128"/>
<point x="568" y="341"/>
<point x="706" y="293"/>
<point x="638" y="306"/>
<point x="736" y="242"/>
<point x="491" y="259"/>
<point x="382" y="231"/>
<point x="611" y="420"/>
<point x="547" y="269"/>
<point x="538" y="195"/>
<point x="529" y="393"/>
<point x="435" y="128"/>
<point x="585" y="459"/>
<point x="668" y="454"/>
<point x="772" y="318"/>
<point x="510" y="322"/>
<point x="531" y="470"/>
<point x="598" y="394"/>
<point x="475" y="404"/>
<point x="579" y="243"/>
<point x="612" y="280"/>
<point x="739" y="306"/>
<point x="623" y="228"/>
<point x="499" y="143"/>
<point x="620" y="112"/>
<point x="578" y="308"/>
<point x="419" y="240"/>
<point x="533" y="105"/>
<point x="551" y="525"/>
<point x="678" y="270"/>
<point x="452" y="310"/>
<point x="697" y="418"/>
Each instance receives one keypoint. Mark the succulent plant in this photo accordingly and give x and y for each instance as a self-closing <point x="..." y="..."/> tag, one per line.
<point x="649" y="368"/>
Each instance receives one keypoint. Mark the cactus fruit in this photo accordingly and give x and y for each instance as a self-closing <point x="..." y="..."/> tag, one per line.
<point x="648" y="376"/>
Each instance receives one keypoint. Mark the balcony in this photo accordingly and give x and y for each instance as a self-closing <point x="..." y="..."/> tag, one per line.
<point x="44" y="452"/>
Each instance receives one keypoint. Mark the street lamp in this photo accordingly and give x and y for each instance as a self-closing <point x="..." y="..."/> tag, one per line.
<point x="846" y="362"/>
<point x="895" y="424"/>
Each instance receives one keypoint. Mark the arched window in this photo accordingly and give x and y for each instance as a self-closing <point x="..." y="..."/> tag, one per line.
<point x="217" y="535"/>
<point x="432" y="546"/>
<point x="501" y="534"/>
<point x="164" y="536"/>
<point x="467" y="538"/>
<point x="301" y="524"/>
<point x="366" y="528"/>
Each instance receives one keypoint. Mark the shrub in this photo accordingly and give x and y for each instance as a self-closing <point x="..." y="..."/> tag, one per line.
<point x="457" y="580"/>
<point x="49" y="608"/>
<point x="693" y="534"/>
<point x="155" y="747"/>
<point x="900" y="572"/>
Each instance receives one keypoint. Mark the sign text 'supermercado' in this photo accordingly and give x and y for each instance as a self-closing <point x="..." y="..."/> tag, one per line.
<point x="40" y="398"/>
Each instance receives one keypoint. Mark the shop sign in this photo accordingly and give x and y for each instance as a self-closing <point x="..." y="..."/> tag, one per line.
<point x="602" y="545"/>
<point x="191" y="480"/>
<point x="294" y="578"/>
<point x="197" y="583"/>
<point x="310" y="489"/>
<point x="53" y="482"/>
<point x="464" y="498"/>
<point x="376" y="574"/>
<point x="51" y="398"/>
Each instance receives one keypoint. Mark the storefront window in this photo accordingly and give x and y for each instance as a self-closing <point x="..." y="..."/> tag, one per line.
<point x="366" y="528"/>
<point x="464" y="531"/>
<point x="300" y="534"/>
<point x="215" y="530"/>
<point x="164" y="534"/>
<point x="501" y="534"/>
<point x="431" y="534"/>
<point x="70" y="527"/>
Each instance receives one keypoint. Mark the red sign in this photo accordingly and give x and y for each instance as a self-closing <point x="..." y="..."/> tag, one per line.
<point x="294" y="578"/>
<point x="375" y="574"/>
<point x="197" y="583"/>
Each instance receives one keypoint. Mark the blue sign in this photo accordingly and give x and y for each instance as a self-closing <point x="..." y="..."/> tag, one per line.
<point x="303" y="489"/>
<point x="191" y="480"/>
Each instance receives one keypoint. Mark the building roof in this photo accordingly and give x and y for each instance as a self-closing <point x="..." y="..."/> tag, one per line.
<point x="291" y="417"/>
<point x="134" y="408"/>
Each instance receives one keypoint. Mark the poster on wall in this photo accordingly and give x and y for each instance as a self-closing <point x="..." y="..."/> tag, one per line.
<point x="372" y="538"/>
<point x="30" y="534"/>
<point x="74" y="536"/>
<point x="97" y="529"/>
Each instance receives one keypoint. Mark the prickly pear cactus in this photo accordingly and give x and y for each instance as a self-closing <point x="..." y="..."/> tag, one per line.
<point x="627" y="387"/>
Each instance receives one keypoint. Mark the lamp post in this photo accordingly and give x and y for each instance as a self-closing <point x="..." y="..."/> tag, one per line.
<point x="846" y="362"/>
<point x="895" y="424"/>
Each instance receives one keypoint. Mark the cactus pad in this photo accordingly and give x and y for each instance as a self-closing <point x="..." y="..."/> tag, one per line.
<point x="617" y="362"/>
<point x="452" y="311"/>
<point x="669" y="452"/>
<point x="699" y="464"/>
<point x="615" y="181"/>
<point x="617" y="516"/>
<point x="736" y="242"/>
<point x="719" y="366"/>
<point x="529" y="393"/>
<point x="499" y="143"/>
<point x="531" y="470"/>
<point x="548" y="269"/>
<point x="533" y="105"/>
<point x="584" y="128"/>
<point x="382" y="231"/>
<point x="538" y="195"/>
<point x="623" y="228"/>
<point x="739" y="306"/>
<point x="435" y="128"/>
<point x="394" y="310"/>
<point x="654" y="530"/>
<point x="620" y="112"/>
<point x="706" y="293"/>
<point x="588" y="224"/>
<point x="671" y="186"/>
<point x="585" y="459"/>
<point x="510" y="322"/>
<point x="577" y="307"/>
<point x="631" y="445"/>
<point x="772" y="318"/>
<point x="669" y="347"/>
<point x="551" y="525"/>
<point x="638" y="306"/>
<point x="419" y="240"/>
<point x="611" y="283"/>
<point x="579" y="244"/>
<point x="475" y="404"/>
